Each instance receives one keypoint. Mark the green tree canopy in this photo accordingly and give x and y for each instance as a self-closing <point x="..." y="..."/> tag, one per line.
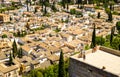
<point x="115" y="43"/>
<point x="4" y="36"/>
<point x="35" y="73"/>
<point x="72" y="11"/>
<point x="51" y="71"/>
<point x="100" y="40"/>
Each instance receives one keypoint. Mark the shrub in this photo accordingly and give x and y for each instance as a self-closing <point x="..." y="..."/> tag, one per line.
<point x="72" y="11"/>
<point x="4" y="36"/>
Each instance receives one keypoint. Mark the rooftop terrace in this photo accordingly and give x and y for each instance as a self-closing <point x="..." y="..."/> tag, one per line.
<point x="100" y="59"/>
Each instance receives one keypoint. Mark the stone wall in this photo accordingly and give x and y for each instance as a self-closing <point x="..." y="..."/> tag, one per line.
<point x="80" y="69"/>
<point x="109" y="50"/>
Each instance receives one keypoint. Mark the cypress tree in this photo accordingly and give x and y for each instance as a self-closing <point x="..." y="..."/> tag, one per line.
<point x="18" y="33"/>
<point x="113" y="30"/>
<point x="111" y="3"/>
<point x="69" y="1"/>
<point x="53" y="7"/>
<point x="14" y="49"/>
<point x="63" y="4"/>
<point x="10" y="59"/>
<point x="42" y="4"/>
<point x="20" y="54"/>
<point x="67" y="6"/>
<point x="110" y="6"/>
<point x="61" y="69"/>
<point x="110" y="16"/>
<point x="93" y="43"/>
<point x="98" y="15"/>
<point x="111" y="36"/>
<point x="27" y="5"/>
<point x="79" y="2"/>
<point x="118" y="26"/>
<point x="35" y="10"/>
<point x="27" y="26"/>
<point x="45" y="11"/>
<point x="101" y="40"/>
<point x="45" y="3"/>
<point x="119" y="46"/>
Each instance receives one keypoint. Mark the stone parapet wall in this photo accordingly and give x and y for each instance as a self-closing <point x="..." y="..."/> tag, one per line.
<point x="109" y="50"/>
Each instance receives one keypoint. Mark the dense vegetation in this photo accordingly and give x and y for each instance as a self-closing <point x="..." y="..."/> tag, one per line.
<point x="56" y="70"/>
<point x="51" y="71"/>
<point x="20" y="33"/>
<point x="111" y="41"/>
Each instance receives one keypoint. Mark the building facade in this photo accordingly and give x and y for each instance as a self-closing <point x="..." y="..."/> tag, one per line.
<point x="4" y="18"/>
